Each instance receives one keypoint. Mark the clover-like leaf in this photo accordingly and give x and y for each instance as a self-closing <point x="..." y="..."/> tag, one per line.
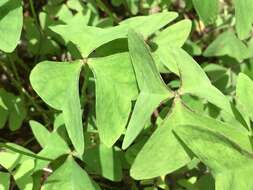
<point x="172" y="36"/>
<point x="12" y="109"/>
<point x="114" y="92"/>
<point x="227" y="44"/>
<point x="104" y="161"/>
<point x="5" y="180"/>
<point x="40" y="132"/>
<point x="11" y="21"/>
<point x="244" y="20"/>
<point x="23" y="175"/>
<point x="58" y="85"/>
<point x="88" y="38"/>
<point x="152" y="23"/>
<point x="207" y="10"/>
<point x="195" y="81"/>
<point x="152" y="88"/>
<point x="244" y="89"/>
<point x="53" y="146"/>
<point x="172" y="154"/>
<point x="229" y="163"/>
<point x="69" y="176"/>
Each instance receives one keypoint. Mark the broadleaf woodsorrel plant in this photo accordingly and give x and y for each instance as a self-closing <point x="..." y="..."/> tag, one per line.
<point x="126" y="95"/>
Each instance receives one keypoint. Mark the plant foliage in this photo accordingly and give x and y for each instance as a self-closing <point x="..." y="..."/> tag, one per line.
<point x="126" y="94"/>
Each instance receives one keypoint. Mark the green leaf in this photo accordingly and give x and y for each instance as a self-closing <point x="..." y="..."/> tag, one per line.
<point x="192" y="48"/>
<point x="10" y="12"/>
<point x="174" y="35"/>
<point x="17" y="114"/>
<point x="163" y="139"/>
<point x="244" y="18"/>
<point x="94" y="37"/>
<point x="152" y="88"/>
<point x="69" y="176"/>
<point x="25" y="153"/>
<point x="152" y="23"/>
<point x="114" y="92"/>
<point x="230" y="164"/>
<point x="38" y="43"/>
<point x="207" y="10"/>
<point x="53" y="145"/>
<point x="9" y="160"/>
<point x="54" y="148"/>
<point x="23" y="175"/>
<point x="58" y="85"/>
<point x="5" y="181"/>
<point x="191" y="74"/>
<point x="41" y="134"/>
<point x="165" y="61"/>
<point x="86" y="38"/>
<point x="104" y="161"/>
<point x="244" y="88"/>
<point x="232" y="132"/>
<point x="227" y="44"/>
<point x="162" y="151"/>
<point x="3" y="112"/>
<point x="16" y="111"/>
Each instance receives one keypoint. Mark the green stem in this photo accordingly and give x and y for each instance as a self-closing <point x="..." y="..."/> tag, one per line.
<point x="38" y="27"/>
<point x="33" y="10"/>
<point x="104" y="8"/>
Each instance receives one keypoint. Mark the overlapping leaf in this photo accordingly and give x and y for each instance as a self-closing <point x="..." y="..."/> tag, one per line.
<point x="172" y="154"/>
<point x="40" y="132"/>
<point x="152" y="89"/>
<point x="230" y="164"/>
<point x="20" y="166"/>
<point x="69" y="176"/>
<point x="195" y="81"/>
<point x="244" y="90"/>
<point x="104" y="161"/>
<point x="114" y="92"/>
<point x="227" y="44"/>
<point x="53" y="146"/>
<point x="12" y="108"/>
<point x="172" y="36"/>
<point x="93" y="37"/>
<point x="57" y="84"/>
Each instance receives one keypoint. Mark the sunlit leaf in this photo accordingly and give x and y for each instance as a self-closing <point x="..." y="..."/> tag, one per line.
<point x="207" y="10"/>
<point x="114" y="90"/>
<point x="244" y="18"/>
<point x="230" y="164"/>
<point x="227" y="44"/>
<point x="94" y="37"/>
<point x="5" y="181"/>
<point x="69" y="176"/>
<point x="172" y="155"/>
<point x="11" y="21"/>
<point x="58" y="85"/>
<point x="244" y="90"/>
<point x="152" y="89"/>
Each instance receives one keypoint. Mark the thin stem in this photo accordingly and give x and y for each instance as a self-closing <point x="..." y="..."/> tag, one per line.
<point x="38" y="27"/>
<point x="33" y="10"/>
<point x="104" y="8"/>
